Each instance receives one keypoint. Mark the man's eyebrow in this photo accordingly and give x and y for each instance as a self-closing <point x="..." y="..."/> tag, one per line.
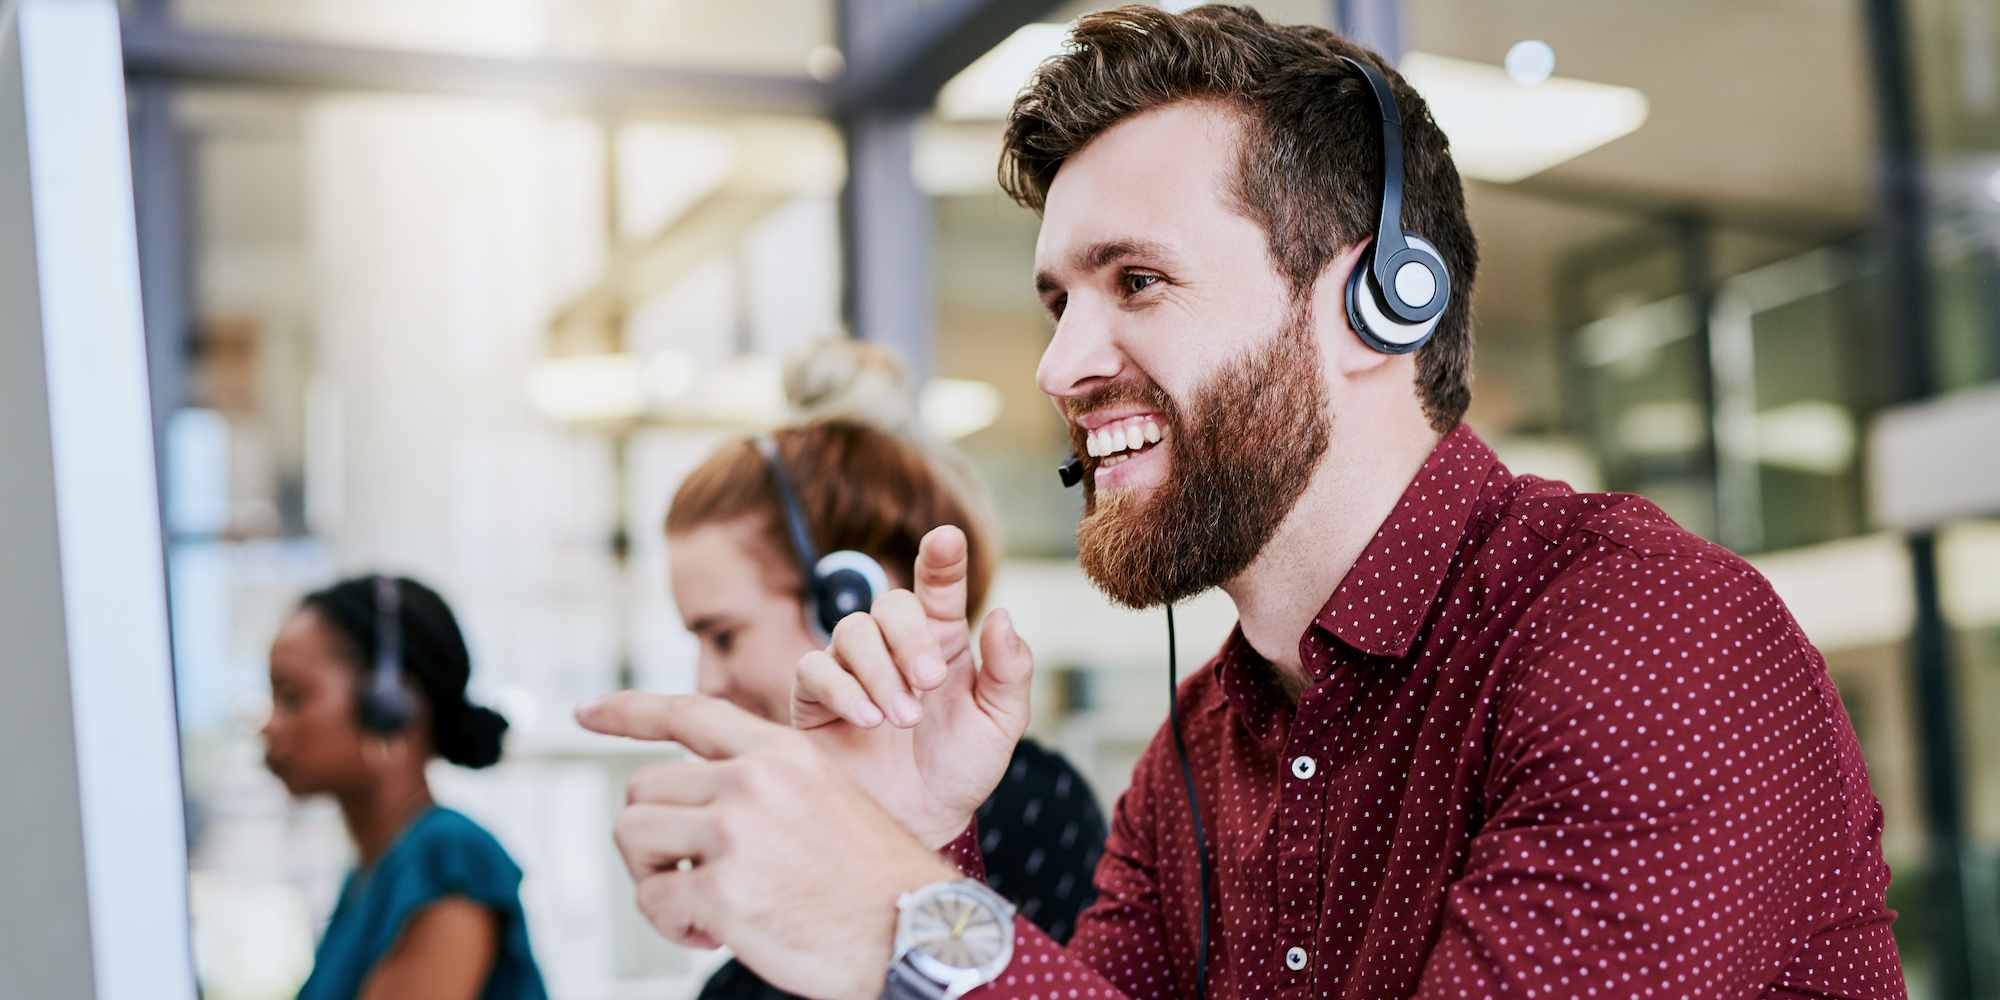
<point x="1104" y="252"/>
<point x="1100" y="254"/>
<point x="705" y="624"/>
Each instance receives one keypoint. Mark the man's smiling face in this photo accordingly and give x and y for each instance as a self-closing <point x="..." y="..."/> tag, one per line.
<point x="1189" y="373"/>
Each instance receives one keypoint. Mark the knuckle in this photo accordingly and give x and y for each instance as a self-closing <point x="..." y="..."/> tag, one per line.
<point x="734" y="778"/>
<point x="770" y="775"/>
<point x="641" y="783"/>
<point x="760" y="777"/>
<point x="814" y="669"/>
<point x="650" y="899"/>
<point x="730" y="896"/>
<point x="628" y="832"/>
<point x="852" y="628"/>
<point x="725" y="832"/>
<point x="896" y="603"/>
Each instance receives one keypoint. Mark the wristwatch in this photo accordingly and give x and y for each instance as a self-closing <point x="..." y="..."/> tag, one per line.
<point x="951" y="938"/>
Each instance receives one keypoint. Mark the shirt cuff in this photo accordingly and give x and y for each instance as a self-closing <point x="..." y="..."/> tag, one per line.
<point x="963" y="853"/>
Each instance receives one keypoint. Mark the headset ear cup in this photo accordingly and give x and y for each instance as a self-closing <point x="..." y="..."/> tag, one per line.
<point x="1370" y="317"/>
<point x="386" y="709"/>
<point x="844" y="582"/>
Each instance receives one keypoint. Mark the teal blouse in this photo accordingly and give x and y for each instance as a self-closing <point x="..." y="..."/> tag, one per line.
<point x="440" y="854"/>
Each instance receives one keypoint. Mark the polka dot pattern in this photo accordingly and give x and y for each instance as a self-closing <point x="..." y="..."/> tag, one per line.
<point x="1552" y="745"/>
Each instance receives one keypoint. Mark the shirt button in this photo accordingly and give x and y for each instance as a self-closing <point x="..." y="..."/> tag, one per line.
<point x="1295" y="959"/>
<point x="1303" y="767"/>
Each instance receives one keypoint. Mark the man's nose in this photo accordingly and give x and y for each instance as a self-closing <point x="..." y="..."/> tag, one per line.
<point x="1082" y="355"/>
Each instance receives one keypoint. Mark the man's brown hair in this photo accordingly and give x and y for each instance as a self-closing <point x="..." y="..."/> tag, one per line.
<point x="1310" y="170"/>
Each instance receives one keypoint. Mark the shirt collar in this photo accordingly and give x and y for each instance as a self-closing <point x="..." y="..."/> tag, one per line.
<point x="1386" y="596"/>
<point x="1247" y="683"/>
<point x="1383" y="601"/>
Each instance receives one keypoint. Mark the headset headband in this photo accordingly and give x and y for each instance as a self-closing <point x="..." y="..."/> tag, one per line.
<point x="1389" y="240"/>
<point x="795" y="518"/>
<point x="388" y="628"/>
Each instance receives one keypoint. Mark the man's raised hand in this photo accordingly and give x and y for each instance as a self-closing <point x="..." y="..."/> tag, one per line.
<point x="907" y="663"/>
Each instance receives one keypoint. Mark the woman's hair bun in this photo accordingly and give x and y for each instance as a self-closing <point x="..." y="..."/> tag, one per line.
<point x="471" y="737"/>
<point x="836" y="378"/>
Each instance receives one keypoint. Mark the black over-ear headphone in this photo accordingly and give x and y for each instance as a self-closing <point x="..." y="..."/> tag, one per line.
<point x="837" y="584"/>
<point x="385" y="705"/>
<point x="1407" y="284"/>
<point x="1400" y="286"/>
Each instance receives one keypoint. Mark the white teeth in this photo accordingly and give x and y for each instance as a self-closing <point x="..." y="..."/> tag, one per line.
<point x="1109" y="443"/>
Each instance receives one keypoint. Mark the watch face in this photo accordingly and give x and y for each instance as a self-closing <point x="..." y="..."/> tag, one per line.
<point x="960" y="930"/>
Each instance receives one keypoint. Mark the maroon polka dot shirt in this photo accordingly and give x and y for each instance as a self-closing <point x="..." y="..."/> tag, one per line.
<point x="1552" y="745"/>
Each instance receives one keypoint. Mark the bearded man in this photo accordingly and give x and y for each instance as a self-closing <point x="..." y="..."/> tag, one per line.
<point x="1475" y="734"/>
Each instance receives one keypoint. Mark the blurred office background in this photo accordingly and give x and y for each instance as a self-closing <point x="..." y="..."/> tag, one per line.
<point x="461" y="287"/>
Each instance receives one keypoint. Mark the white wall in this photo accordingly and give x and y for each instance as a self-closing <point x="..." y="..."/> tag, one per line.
<point x="92" y="862"/>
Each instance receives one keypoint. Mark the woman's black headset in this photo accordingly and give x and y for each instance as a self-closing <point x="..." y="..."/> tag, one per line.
<point x="1395" y="296"/>
<point x="385" y="705"/>
<point x="837" y="584"/>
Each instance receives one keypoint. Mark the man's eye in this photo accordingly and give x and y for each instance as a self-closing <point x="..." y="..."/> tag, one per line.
<point x="1137" y="282"/>
<point x="725" y="641"/>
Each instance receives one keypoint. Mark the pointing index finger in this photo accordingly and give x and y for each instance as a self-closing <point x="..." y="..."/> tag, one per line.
<point x="713" y="729"/>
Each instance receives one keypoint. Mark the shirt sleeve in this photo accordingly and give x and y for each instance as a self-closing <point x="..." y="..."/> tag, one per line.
<point x="1675" y="804"/>
<point x="963" y="852"/>
<point x="1119" y="948"/>
<point x="444" y="857"/>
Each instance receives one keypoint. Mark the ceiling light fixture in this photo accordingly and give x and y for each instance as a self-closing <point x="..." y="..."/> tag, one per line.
<point x="825" y="63"/>
<point x="986" y="89"/>
<point x="952" y="408"/>
<point x="1503" y="131"/>
<point x="1530" y="62"/>
<point x="607" y="388"/>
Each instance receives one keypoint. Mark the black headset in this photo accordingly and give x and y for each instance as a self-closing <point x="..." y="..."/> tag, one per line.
<point x="837" y="584"/>
<point x="385" y="705"/>
<point x="1406" y="289"/>
<point x="1407" y="283"/>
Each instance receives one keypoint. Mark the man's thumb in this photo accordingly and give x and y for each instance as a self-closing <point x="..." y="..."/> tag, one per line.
<point x="1006" y="666"/>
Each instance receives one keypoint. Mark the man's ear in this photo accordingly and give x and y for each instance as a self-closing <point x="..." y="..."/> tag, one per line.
<point x="1346" y="354"/>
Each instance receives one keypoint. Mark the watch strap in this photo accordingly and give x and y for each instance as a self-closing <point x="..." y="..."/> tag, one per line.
<point x="906" y="983"/>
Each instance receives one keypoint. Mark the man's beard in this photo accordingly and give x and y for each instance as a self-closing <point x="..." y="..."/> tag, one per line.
<point x="1238" y="461"/>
